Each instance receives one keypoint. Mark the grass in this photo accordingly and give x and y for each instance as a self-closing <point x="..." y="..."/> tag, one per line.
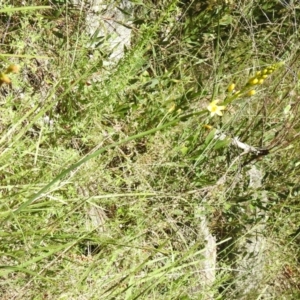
<point x="108" y="174"/>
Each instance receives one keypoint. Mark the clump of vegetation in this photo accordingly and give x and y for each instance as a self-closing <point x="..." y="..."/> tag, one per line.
<point x="116" y="178"/>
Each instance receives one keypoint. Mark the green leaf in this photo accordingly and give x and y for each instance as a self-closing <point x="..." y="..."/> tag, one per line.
<point x="13" y="9"/>
<point x="210" y="136"/>
<point x="184" y="150"/>
<point x="222" y="143"/>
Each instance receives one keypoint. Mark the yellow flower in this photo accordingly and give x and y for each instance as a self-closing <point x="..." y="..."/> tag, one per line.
<point x="251" y="93"/>
<point x="231" y="87"/>
<point x="215" y="109"/>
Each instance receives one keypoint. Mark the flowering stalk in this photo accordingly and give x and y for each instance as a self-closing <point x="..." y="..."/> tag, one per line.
<point x="248" y="89"/>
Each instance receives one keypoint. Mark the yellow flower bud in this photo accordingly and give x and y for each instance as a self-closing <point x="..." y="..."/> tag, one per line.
<point x="258" y="73"/>
<point x="251" y="93"/>
<point x="4" y="79"/>
<point x="265" y="71"/>
<point x="173" y="106"/>
<point x="231" y="87"/>
<point x="260" y="81"/>
<point x="264" y="76"/>
<point x="253" y="81"/>
<point x="206" y="126"/>
<point x="12" y="69"/>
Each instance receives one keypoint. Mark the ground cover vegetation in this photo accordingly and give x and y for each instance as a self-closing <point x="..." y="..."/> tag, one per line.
<point x="108" y="171"/>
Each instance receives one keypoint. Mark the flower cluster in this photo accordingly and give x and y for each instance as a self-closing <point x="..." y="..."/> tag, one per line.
<point x="247" y="90"/>
<point x="3" y="75"/>
<point x="260" y="76"/>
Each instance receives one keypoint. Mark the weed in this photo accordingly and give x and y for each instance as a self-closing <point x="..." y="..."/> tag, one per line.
<point x="118" y="181"/>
